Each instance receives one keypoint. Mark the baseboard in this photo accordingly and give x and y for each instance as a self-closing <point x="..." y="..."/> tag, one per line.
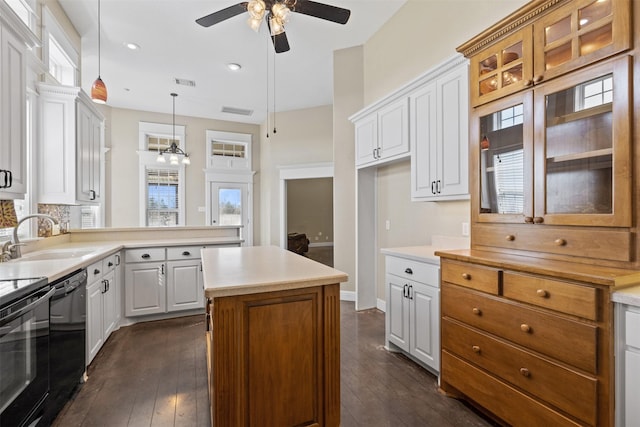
<point x="381" y="305"/>
<point x="347" y="296"/>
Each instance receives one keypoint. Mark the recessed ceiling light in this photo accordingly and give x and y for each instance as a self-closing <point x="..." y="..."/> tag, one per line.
<point x="131" y="46"/>
<point x="233" y="66"/>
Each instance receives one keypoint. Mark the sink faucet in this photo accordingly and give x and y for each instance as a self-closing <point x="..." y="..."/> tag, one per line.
<point x="15" y="246"/>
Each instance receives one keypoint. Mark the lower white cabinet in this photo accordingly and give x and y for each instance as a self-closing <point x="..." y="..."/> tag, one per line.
<point x="413" y="309"/>
<point x="627" y="365"/>
<point x="103" y="303"/>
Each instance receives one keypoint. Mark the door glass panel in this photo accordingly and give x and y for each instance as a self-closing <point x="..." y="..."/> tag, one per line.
<point x="512" y="75"/>
<point x="590" y="14"/>
<point x="557" y="56"/>
<point x="557" y="30"/>
<point x="502" y="162"/>
<point x="596" y="39"/>
<point x="230" y="206"/>
<point x="579" y="148"/>
<point x="512" y="53"/>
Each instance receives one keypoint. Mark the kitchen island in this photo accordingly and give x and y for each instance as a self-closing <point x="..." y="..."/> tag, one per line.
<point x="273" y="338"/>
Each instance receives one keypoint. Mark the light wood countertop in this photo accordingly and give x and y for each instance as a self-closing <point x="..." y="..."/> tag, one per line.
<point x="255" y="269"/>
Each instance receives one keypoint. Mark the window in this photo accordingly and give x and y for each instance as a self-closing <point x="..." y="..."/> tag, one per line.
<point x="60" y="65"/>
<point x="594" y="93"/>
<point x="509" y="181"/>
<point x="510" y="117"/>
<point x="59" y="54"/>
<point x="228" y="150"/>
<point x="163" y="198"/>
<point x="25" y="9"/>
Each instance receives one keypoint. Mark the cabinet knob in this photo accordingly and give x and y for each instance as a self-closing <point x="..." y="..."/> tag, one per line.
<point x="466" y="276"/>
<point x="538" y="78"/>
<point x="525" y="328"/>
<point x="528" y="219"/>
<point x="186" y="253"/>
<point x="408" y="270"/>
<point x="542" y="293"/>
<point x="538" y="220"/>
<point x="476" y="348"/>
<point x="110" y="264"/>
<point x="510" y="238"/>
<point x="146" y="256"/>
<point x="560" y="242"/>
<point x="476" y="311"/>
<point x="528" y="83"/>
<point x="525" y="372"/>
<point x="96" y="271"/>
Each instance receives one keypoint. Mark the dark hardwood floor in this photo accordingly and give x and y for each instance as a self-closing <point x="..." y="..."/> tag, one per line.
<point x="154" y="374"/>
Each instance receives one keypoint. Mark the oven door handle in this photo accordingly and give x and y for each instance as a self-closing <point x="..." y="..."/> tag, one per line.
<point x="27" y="308"/>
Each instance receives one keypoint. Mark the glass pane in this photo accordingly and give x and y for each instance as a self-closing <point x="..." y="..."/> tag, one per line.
<point x="579" y="148"/>
<point x="230" y="206"/>
<point x="558" y="30"/>
<point x="489" y="84"/>
<point x="502" y="162"/>
<point x="489" y="64"/>
<point x="557" y="56"/>
<point x="595" y="11"/>
<point x="228" y="150"/>
<point x="512" y="53"/>
<point x="162" y="197"/>
<point x="512" y="75"/>
<point x="596" y="39"/>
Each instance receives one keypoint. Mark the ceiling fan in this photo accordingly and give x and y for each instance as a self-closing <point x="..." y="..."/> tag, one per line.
<point x="276" y="13"/>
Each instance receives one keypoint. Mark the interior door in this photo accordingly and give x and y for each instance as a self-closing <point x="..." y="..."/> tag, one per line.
<point x="229" y="206"/>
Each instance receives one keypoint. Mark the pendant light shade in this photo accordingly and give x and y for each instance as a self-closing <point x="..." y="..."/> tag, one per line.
<point x="173" y="150"/>
<point x="99" y="90"/>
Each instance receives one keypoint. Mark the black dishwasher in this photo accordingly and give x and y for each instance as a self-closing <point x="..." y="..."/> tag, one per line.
<point x="67" y="321"/>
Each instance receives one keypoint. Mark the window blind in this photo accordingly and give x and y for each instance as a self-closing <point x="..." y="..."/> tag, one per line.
<point x="509" y="181"/>
<point x="163" y="202"/>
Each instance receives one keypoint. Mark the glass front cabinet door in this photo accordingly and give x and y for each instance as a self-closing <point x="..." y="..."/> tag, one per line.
<point x="559" y="153"/>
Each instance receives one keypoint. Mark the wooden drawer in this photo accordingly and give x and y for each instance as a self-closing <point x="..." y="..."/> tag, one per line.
<point x="556" y="295"/>
<point x="597" y="244"/>
<point x="183" y="252"/>
<point x="513" y="406"/>
<point x="484" y="279"/>
<point x="567" y="390"/>
<point x="144" y="255"/>
<point x="413" y="270"/>
<point x="565" y="339"/>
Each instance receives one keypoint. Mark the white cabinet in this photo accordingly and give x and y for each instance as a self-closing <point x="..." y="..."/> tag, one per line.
<point x="383" y="135"/>
<point x="144" y="282"/>
<point x="70" y="147"/>
<point x="627" y="365"/>
<point x="439" y="116"/>
<point x="103" y="303"/>
<point x="13" y="128"/>
<point x="413" y="309"/>
<point x="185" y="288"/>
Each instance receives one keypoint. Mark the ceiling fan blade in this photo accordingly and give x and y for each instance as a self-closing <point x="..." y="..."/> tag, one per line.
<point x="280" y="42"/>
<point x="222" y="15"/>
<point x="322" y="11"/>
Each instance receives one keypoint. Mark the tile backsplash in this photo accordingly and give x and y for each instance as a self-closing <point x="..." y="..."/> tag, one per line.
<point x="62" y="213"/>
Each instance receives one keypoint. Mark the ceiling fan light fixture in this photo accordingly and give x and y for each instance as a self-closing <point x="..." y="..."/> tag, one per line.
<point x="256" y="8"/>
<point x="281" y="11"/>
<point x="254" y="23"/>
<point x="276" y="25"/>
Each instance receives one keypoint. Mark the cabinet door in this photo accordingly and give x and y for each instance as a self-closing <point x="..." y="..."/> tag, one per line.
<point x="95" y="313"/>
<point x="397" y="315"/>
<point x="424" y="323"/>
<point x="583" y="147"/>
<point x="366" y="140"/>
<point x="89" y="135"/>
<point x="184" y="285"/>
<point x="393" y="129"/>
<point x="109" y="301"/>
<point x="423" y="120"/>
<point x="13" y="127"/>
<point x="580" y="33"/>
<point x="144" y="288"/>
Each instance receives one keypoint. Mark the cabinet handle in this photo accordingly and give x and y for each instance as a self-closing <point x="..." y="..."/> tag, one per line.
<point x="476" y="348"/>
<point x="162" y="269"/>
<point x="378" y="151"/>
<point x="104" y="286"/>
<point x="110" y="264"/>
<point x="476" y="311"/>
<point x="146" y="256"/>
<point x="186" y="253"/>
<point x="433" y="190"/>
<point x="560" y="242"/>
<point x="92" y="195"/>
<point x="542" y="293"/>
<point x="528" y="83"/>
<point x="538" y="79"/>
<point x="525" y="372"/>
<point x="438" y="182"/>
<point x="404" y="290"/>
<point x="410" y="291"/>
<point x="538" y="220"/>
<point x="525" y="328"/>
<point x="510" y="238"/>
<point x="96" y="272"/>
<point x="200" y="266"/>
<point x="466" y="276"/>
<point x="10" y="179"/>
<point x="408" y="270"/>
<point x="4" y="172"/>
<point x="118" y="259"/>
<point x="528" y="219"/>
<point x="108" y="285"/>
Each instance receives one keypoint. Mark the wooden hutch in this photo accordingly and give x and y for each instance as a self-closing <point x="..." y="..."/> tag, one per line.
<point x="527" y="318"/>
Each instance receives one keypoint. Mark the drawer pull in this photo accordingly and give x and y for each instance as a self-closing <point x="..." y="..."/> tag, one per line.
<point x="542" y="293"/>
<point x="528" y="219"/>
<point x="560" y="242"/>
<point x="476" y="348"/>
<point x="186" y="253"/>
<point x="525" y="328"/>
<point x="476" y="311"/>
<point x="525" y="372"/>
<point x="538" y="78"/>
<point x="466" y="276"/>
<point x="145" y="256"/>
<point x="538" y="220"/>
<point x="510" y="238"/>
<point x="408" y="271"/>
<point x="110" y="264"/>
<point x="96" y="272"/>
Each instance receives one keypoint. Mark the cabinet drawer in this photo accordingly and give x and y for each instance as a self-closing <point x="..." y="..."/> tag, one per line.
<point x="497" y="396"/>
<point x="553" y="294"/>
<point x="94" y="272"/>
<point x="565" y="339"/>
<point x="109" y="264"/>
<point x="144" y="255"/>
<point x="413" y="270"/>
<point x="569" y="391"/>
<point x="632" y="328"/>
<point x="470" y="276"/>
<point x="183" y="252"/>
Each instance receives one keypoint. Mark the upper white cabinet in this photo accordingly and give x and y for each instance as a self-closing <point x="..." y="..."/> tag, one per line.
<point x="439" y="117"/>
<point x="13" y="128"/>
<point x="69" y="147"/>
<point x="383" y="135"/>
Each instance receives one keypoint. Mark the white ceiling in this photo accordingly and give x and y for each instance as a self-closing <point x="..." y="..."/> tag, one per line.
<point x="174" y="46"/>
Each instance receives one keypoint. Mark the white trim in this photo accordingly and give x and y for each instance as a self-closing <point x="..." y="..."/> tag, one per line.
<point x="301" y="171"/>
<point x="148" y="160"/>
<point x="347" y="296"/>
<point x="51" y="27"/>
<point x="162" y="130"/>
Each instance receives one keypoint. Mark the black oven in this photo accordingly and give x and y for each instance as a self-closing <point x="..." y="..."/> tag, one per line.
<point x="24" y="349"/>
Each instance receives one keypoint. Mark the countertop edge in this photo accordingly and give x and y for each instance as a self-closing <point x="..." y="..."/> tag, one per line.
<point x="273" y="286"/>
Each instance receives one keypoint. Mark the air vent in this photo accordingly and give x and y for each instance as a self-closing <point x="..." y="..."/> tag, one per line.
<point x="185" y="82"/>
<point x="239" y="111"/>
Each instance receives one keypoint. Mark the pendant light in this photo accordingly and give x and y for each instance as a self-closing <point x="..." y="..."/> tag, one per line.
<point x="99" y="90"/>
<point x="173" y="150"/>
